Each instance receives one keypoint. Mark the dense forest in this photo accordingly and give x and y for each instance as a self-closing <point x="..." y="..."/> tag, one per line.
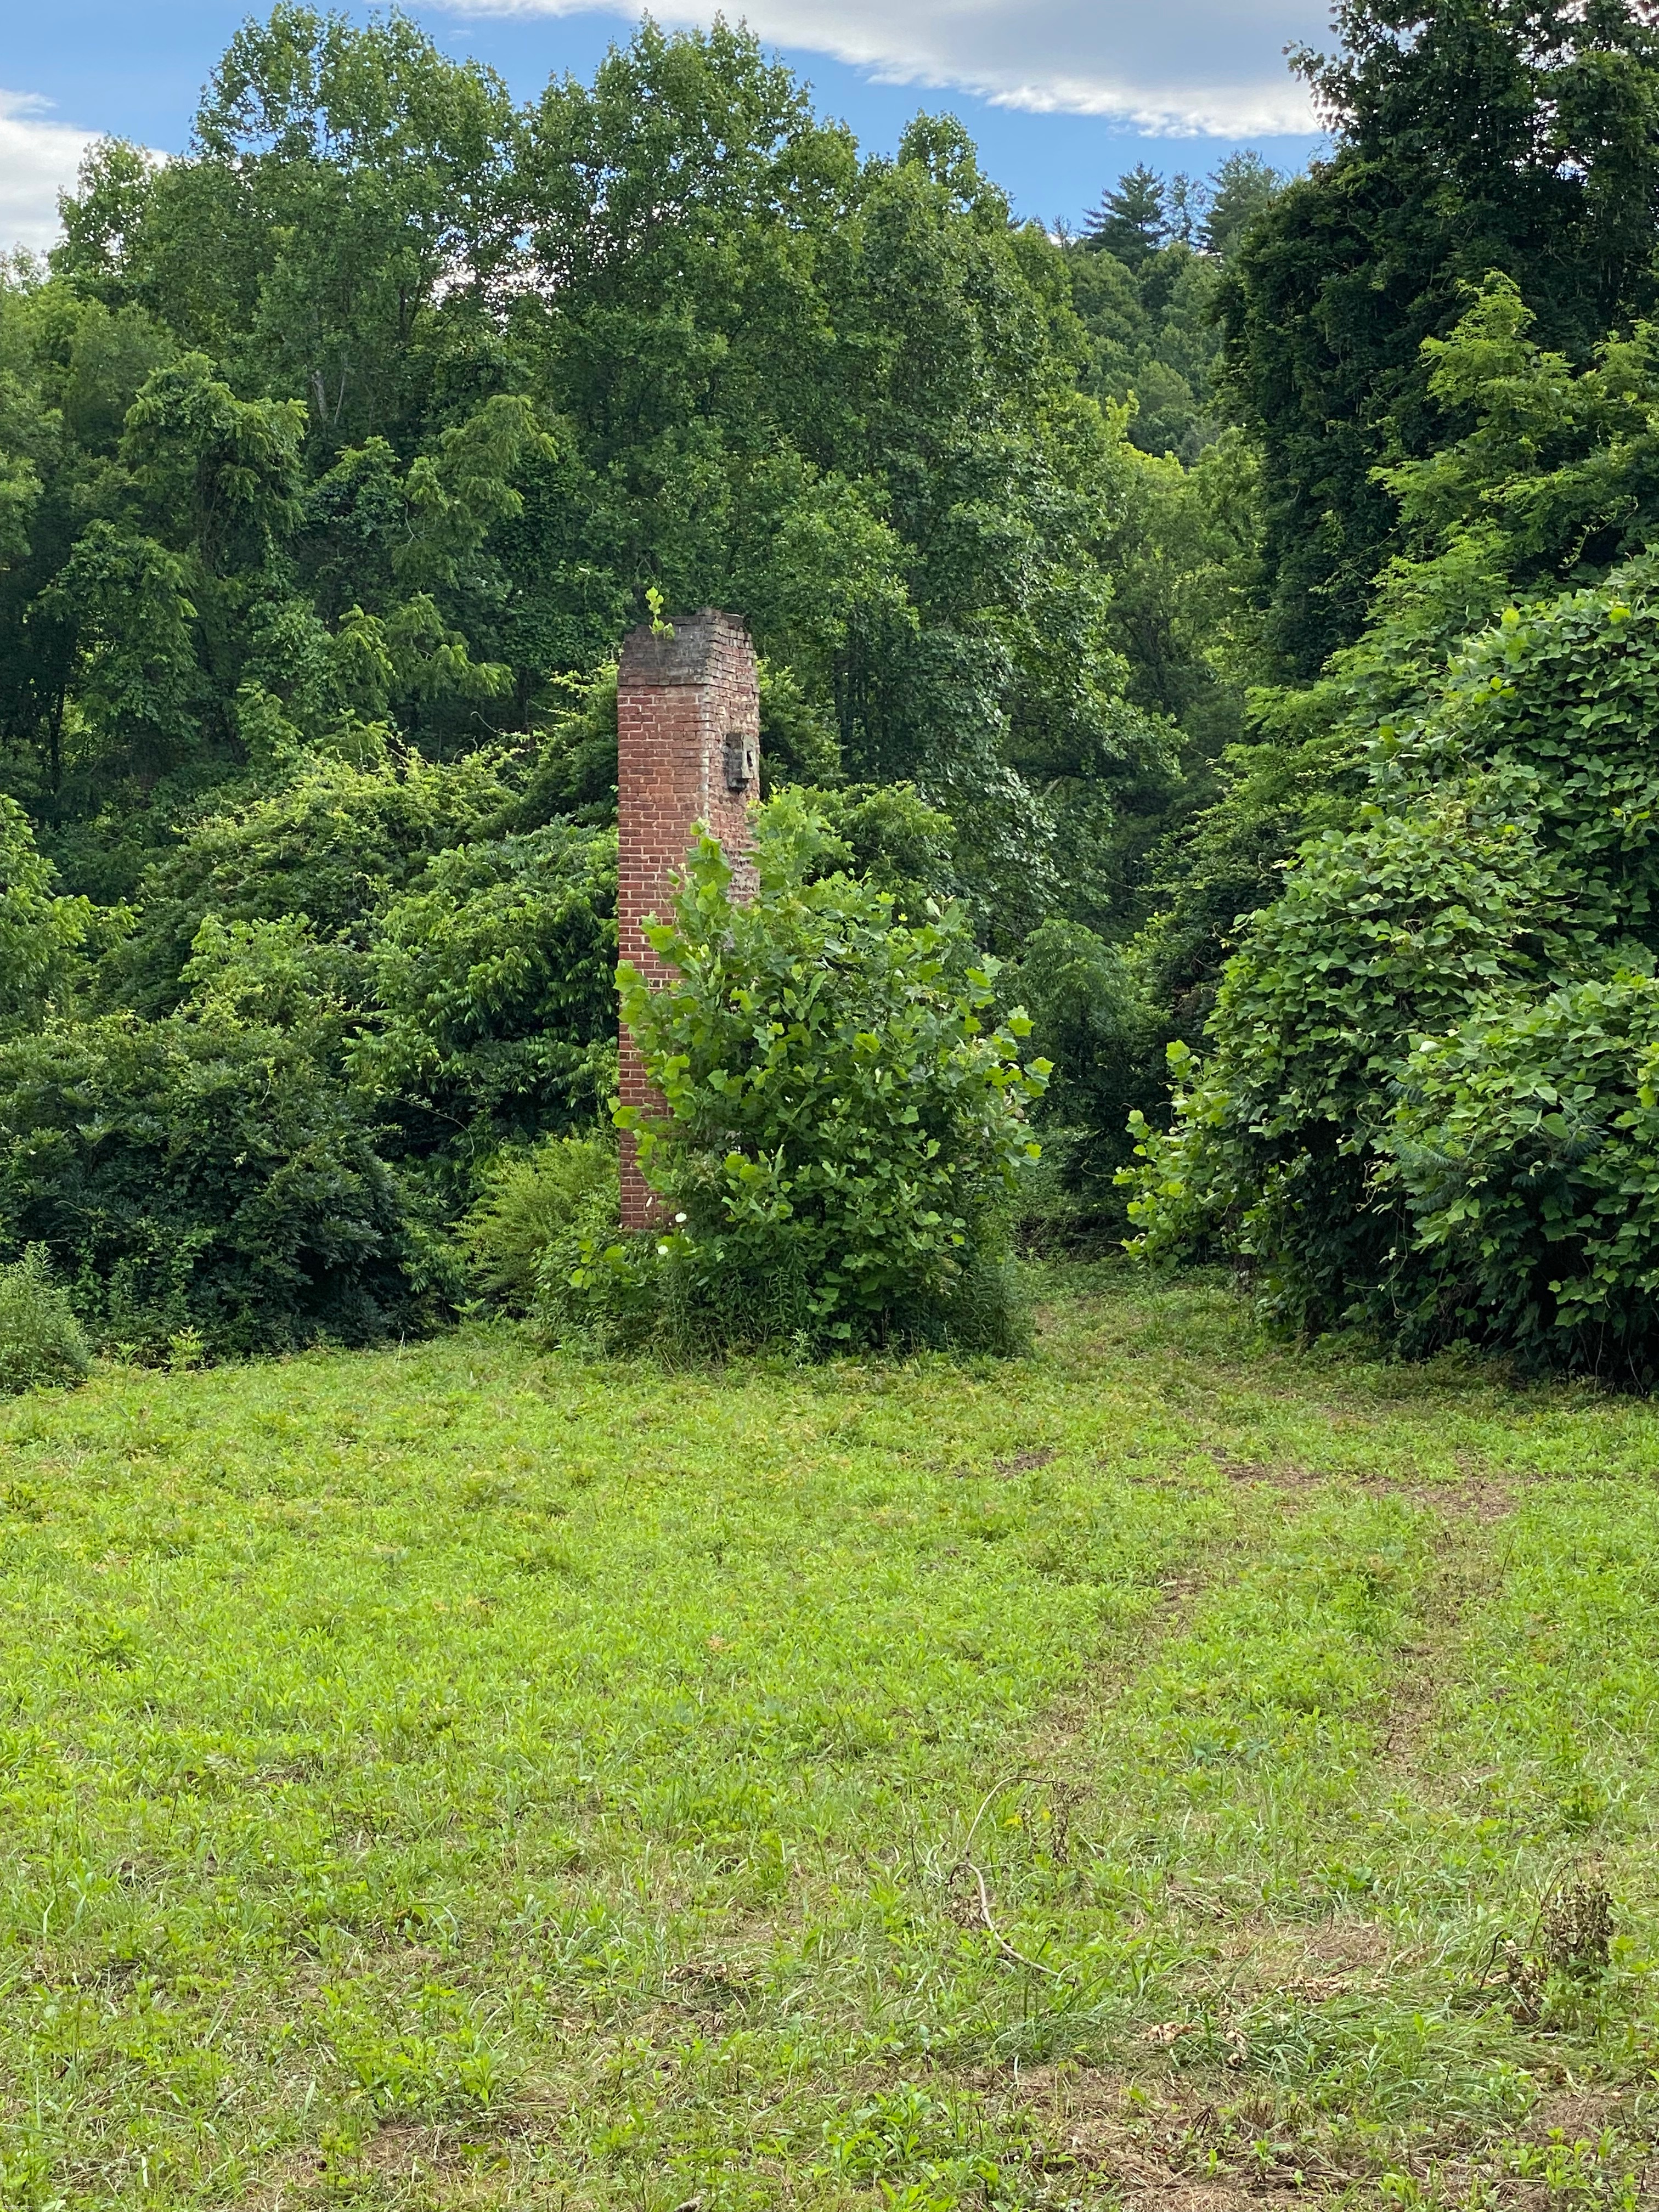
<point x="1235" y="619"/>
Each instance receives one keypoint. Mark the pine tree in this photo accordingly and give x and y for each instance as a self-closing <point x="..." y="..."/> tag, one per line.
<point x="1241" y="188"/>
<point x="1131" y="221"/>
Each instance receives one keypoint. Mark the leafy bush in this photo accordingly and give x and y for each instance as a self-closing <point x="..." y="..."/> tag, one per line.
<point x="1525" y="1150"/>
<point x="844" y="1123"/>
<point x="890" y="835"/>
<point x="494" y="976"/>
<point x="39" y="934"/>
<point x="279" y="975"/>
<point x="1424" y="1103"/>
<point x="330" y="844"/>
<point x="1383" y="932"/>
<point x="346" y="999"/>
<point x="42" y="1345"/>
<point x="207" y="1173"/>
<point x="527" y="1229"/>
<point x="1544" y="470"/>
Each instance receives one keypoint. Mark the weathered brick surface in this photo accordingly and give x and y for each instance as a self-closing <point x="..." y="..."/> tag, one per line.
<point x="679" y="699"/>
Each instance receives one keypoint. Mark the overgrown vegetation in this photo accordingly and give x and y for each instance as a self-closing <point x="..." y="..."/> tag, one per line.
<point x="528" y="1221"/>
<point x="42" y="1345"/>
<point x="1125" y="596"/>
<point x="843" y="1121"/>
<point x="1427" y="1100"/>
<point x="1166" y="1764"/>
<point x="339" y="453"/>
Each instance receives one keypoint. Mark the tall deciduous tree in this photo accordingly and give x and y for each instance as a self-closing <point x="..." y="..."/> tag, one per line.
<point x="1520" y="135"/>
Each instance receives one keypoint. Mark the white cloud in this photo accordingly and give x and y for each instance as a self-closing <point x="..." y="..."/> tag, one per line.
<point x="37" y="160"/>
<point x="1202" y="67"/>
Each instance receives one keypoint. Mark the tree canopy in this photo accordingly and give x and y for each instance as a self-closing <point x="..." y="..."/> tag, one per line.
<point x="1124" y="601"/>
<point x="1471" y="136"/>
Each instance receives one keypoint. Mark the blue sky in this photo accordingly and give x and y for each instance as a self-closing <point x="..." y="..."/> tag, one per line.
<point x="1062" y="95"/>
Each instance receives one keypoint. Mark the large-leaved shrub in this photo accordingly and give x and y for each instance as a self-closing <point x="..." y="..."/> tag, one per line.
<point x="1423" y="1103"/>
<point x="844" y="1120"/>
<point x="1524" y="1149"/>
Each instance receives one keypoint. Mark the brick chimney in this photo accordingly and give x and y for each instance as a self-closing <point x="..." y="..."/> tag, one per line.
<point x="688" y="752"/>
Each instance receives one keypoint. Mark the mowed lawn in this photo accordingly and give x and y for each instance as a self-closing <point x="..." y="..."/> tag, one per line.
<point x="1169" y="1770"/>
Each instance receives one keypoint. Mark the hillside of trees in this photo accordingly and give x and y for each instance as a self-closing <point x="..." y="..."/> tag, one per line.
<point x="1240" y="609"/>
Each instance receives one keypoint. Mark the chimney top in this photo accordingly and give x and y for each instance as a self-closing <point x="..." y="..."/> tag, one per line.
<point x="687" y="656"/>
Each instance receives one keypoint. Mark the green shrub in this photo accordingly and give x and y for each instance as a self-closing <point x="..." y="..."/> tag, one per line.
<point x="42" y="1345"/>
<point x="1382" y="933"/>
<point x="40" y="934"/>
<point x="1091" y="1019"/>
<point x="1423" y="1101"/>
<point x="889" y="836"/>
<point x="845" y="1123"/>
<point x="1525" y="1147"/>
<point x="207" y="1173"/>
<point x="527" y="1229"/>
<point x="332" y="844"/>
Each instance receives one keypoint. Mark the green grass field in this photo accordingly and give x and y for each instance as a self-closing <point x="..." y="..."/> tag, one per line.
<point x="1168" y="1772"/>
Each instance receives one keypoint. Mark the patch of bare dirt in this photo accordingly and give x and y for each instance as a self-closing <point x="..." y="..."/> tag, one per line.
<point x="1578" y="2114"/>
<point x="1194" y="2147"/>
<point x="1349" y="1946"/>
<point x="1144" y="2186"/>
<point x="421" y="2165"/>
<point x="1252" y="1958"/>
<point x="402" y="2147"/>
<point x="1477" y="1497"/>
<point x="1271" y="1475"/>
<point x="1410" y="1711"/>
<point x="1177" y="2154"/>
<point x="287" y="2182"/>
<point x="436" y="2166"/>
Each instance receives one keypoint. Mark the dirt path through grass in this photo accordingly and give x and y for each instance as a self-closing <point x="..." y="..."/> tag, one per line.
<point x="469" y="1778"/>
<point x="1358" y="1802"/>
